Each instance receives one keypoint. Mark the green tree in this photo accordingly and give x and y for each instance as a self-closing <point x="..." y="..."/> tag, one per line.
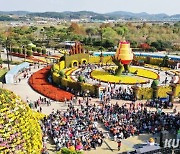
<point x="91" y="31"/>
<point x="109" y="34"/>
<point x="44" y="51"/>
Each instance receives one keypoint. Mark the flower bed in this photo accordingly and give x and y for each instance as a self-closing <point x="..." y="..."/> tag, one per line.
<point x="106" y="77"/>
<point x="39" y="83"/>
<point x="20" y="131"/>
<point x="141" y="72"/>
<point x="144" y="73"/>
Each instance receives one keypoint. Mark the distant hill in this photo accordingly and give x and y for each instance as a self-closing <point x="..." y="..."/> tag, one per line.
<point x="65" y="15"/>
<point x="18" y="13"/>
<point x="142" y="15"/>
<point x="93" y="15"/>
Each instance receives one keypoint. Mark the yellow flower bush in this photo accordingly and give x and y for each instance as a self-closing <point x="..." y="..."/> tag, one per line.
<point x="20" y="131"/>
<point x="162" y="91"/>
<point x="177" y="91"/>
<point x="106" y="77"/>
<point x="146" y="93"/>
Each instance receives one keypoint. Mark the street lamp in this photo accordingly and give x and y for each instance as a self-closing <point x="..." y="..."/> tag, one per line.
<point x="24" y="50"/>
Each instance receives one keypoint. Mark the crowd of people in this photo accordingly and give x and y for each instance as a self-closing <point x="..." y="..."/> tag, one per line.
<point x="158" y="103"/>
<point x="77" y="127"/>
<point x="38" y="103"/>
<point x="123" y="122"/>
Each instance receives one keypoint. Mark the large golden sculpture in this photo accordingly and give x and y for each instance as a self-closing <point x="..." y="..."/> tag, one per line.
<point x="123" y="57"/>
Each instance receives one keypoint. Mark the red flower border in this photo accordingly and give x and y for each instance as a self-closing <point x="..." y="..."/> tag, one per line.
<point x="40" y="84"/>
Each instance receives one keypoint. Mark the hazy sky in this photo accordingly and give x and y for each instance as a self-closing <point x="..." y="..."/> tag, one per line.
<point x="101" y="6"/>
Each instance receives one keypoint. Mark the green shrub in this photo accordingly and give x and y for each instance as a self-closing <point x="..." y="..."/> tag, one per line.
<point x="68" y="151"/>
<point x="81" y="79"/>
<point x="19" y="50"/>
<point x="39" y="50"/>
<point x="29" y="53"/>
<point x="34" y="49"/>
<point x="15" y="50"/>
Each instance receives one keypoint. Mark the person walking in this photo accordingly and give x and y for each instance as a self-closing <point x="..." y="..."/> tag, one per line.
<point x="119" y="144"/>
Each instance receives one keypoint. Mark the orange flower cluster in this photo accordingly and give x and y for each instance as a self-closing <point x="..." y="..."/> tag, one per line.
<point x="38" y="81"/>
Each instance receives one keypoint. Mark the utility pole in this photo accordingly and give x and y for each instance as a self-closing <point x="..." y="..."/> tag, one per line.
<point x="7" y="53"/>
<point x="0" y="49"/>
<point x="10" y="49"/>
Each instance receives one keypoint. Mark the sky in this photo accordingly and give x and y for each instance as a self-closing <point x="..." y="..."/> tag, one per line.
<point x="101" y="6"/>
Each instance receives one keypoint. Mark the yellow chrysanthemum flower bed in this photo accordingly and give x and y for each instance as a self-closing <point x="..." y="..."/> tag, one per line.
<point x="141" y="72"/>
<point x="20" y="131"/>
<point x="144" y="73"/>
<point x="107" y="77"/>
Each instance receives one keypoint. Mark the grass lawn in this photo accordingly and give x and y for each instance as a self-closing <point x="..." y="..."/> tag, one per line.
<point x="2" y="74"/>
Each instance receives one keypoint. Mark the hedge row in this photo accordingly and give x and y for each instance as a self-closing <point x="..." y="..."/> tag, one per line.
<point x="29" y="49"/>
<point x="98" y="59"/>
<point x="147" y="93"/>
<point x="153" y="61"/>
<point x="78" y="86"/>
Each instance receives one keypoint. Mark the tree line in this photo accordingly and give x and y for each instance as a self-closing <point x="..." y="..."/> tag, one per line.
<point x="148" y="37"/>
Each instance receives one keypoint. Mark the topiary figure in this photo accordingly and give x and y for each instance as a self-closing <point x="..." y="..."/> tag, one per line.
<point x="165" y="61"/>
<point x="81" y="79"/>
<point x="154" y="86"/>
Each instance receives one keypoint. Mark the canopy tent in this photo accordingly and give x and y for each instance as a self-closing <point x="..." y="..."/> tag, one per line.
<point x="10" y="76"/>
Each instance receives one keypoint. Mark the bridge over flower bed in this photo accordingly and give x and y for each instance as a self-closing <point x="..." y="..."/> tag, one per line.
<point x="38" y="81"/>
